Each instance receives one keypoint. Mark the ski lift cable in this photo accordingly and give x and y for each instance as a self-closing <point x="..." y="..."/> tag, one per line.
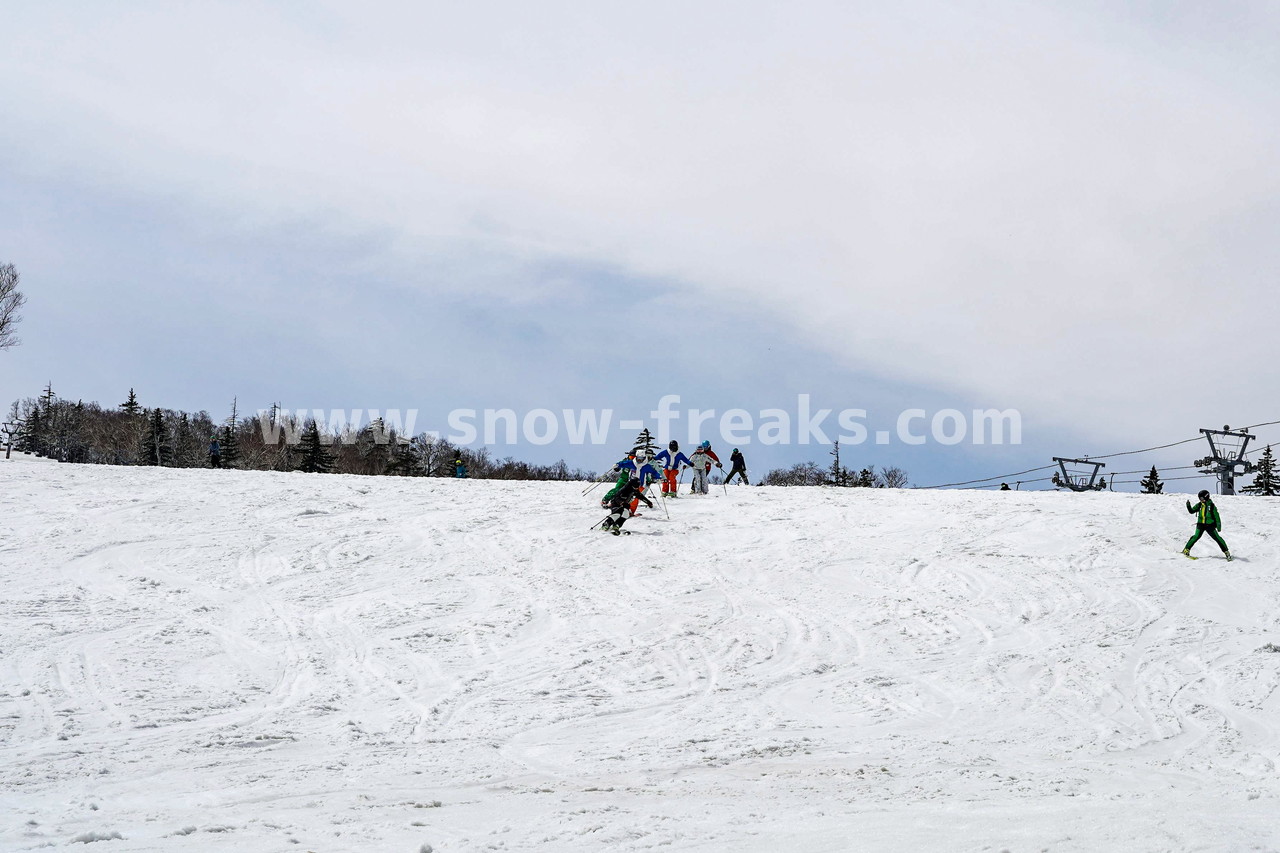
<point x="1000" y="477"/>
<point x="1149" y="449"/>
<point x="1255" y="426"/>
<point x="1141" y="471"/>
<point x="1165" y="480"/>
<point x="1050" y="467"/>
<point x="1019" y="482"/>
<point x="1105" y="456"/>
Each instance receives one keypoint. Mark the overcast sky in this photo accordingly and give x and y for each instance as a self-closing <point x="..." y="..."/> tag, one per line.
<point x="1069" y="209"/>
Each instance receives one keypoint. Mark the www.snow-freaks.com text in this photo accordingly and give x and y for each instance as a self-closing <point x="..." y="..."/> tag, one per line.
<point x="802" y="425"/>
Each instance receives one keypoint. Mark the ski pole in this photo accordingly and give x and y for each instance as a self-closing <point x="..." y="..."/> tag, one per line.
<point x="647" y="494"/>
<point x="598" y="523"/>
<point x="592" y="488"/>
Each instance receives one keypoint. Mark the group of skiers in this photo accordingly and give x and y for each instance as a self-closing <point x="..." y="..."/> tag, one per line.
<point x="640" y="469"/>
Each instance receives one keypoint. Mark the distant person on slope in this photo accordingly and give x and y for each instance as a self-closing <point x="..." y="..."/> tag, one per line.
<point x="738" y="467"/>
<point x="459" y="467"/>
<point x="620" y="502"/>
<point x="1207" y="521"/>
<point x="671" y="460"/>
<point x="215" y="452"/>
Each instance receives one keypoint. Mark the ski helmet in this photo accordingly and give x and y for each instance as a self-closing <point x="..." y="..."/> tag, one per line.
<point x="634" y="482"/>
<point x="674" y="445"/>
<point x="1204" y="494"/>
<point x="706" y="445"/>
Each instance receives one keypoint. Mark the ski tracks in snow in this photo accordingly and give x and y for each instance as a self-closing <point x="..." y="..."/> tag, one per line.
<point x="352" y="663"/>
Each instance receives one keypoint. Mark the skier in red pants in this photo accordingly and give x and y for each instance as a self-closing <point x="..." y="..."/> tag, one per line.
<point x="671" y="460"/>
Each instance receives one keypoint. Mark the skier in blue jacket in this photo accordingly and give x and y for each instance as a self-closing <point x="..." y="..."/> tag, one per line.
<point x="637" y="464"/>
<point x="671" y="460"/>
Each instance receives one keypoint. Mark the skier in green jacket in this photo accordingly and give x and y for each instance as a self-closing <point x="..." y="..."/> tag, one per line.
<point x="1207" y="521"/>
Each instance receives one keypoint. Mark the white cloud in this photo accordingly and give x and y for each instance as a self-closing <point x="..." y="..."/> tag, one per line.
<point x="1040" y="209"/>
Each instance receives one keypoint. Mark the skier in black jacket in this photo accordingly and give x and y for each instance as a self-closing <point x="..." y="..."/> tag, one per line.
<point x="620" y="505"/>
<point x="739" y="467"/>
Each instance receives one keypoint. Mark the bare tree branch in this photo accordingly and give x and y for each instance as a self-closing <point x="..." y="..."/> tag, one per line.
<point x="11" y="299"/>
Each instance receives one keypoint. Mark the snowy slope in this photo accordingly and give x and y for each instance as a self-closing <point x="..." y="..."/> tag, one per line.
<point x="219" y="661"/>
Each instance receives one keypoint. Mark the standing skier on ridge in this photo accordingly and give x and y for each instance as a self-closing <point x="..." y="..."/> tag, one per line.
<point x="705" y="464"/>
<point x="700" y="462"/>
<point x="1207" y="521"/>
<point x="711" y="457"/>
<point x="739" y="467"/>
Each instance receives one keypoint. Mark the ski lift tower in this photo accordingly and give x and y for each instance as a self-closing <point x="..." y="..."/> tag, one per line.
<point x="1226" y="458"/>
<point x="10" y="429"/>
<point x="1078" y="479"/>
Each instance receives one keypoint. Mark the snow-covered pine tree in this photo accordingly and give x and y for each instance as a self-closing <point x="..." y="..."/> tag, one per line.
<point x="316" y="458"/>
<point x="189" y="445"/>
<point x="31" y="433"/>
<point x="228" y="440"/>
<point x="1266" y="484"/>
<point x="72" y="445"/>
<point x="839" y="475"/>
<point x="130" y="406"/>
<point x="401" y="459"/>
<point x="1151" y="485"/>
<point x="127" y="433"/>
<point x="157" y="448"/>
<point x="645" y="442"/>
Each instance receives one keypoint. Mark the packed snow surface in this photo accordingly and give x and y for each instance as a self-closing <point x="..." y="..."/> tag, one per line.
<point x="238" y="661"/>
